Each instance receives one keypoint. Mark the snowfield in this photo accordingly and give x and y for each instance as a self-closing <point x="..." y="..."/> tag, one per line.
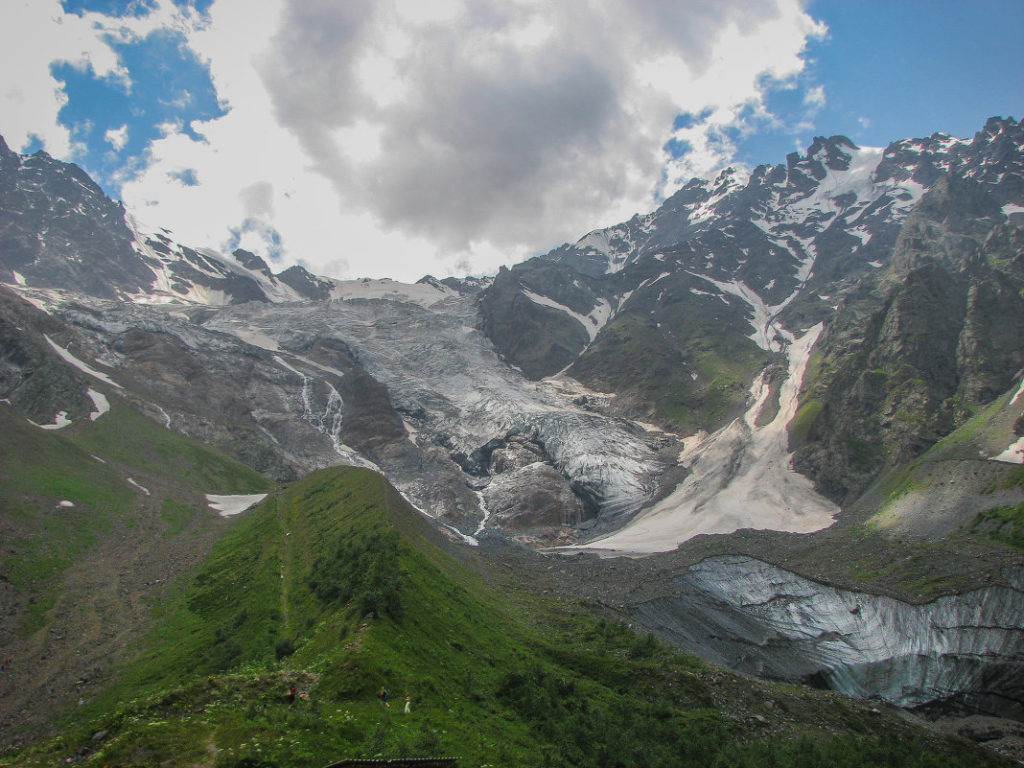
<point x="740" y="477"/>
<point x="228" y="506"/>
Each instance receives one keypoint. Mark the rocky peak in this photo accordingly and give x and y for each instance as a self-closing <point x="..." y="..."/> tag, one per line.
<point x="830" y="152"/>
<point x="305" y="283"/>
<point x="996" y="126"/>
<point x="251" y="261"/>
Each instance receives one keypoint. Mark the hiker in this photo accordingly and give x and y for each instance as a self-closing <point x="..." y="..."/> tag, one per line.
<point x="384" y="697"/>
<point x="408" y="704"/>
<point x="292" y="691"/>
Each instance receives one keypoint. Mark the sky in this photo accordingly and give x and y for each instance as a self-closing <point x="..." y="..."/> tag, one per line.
<point x="398" y="138"/>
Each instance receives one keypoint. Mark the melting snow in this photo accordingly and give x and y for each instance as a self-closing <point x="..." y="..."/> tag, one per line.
<point x="1018" y="393"/>
<point x="60" y="421"/>
<point x="141" y="488"/>
<point x="861" y="233"/>
<point x="167" y="419"/>
<point x="233" y="505"/>
<point x="764" y="334"/>
<point x="484" y="511"/>
<point x="68" y="357"/>
<point x="740" y="478"/>
<point x="1014" y="453"/>
<point x="100" y="403"/>
<point x="593" y="322"/>
<point x="66" y="504"/>
<point x="1008" y="209"/>
<point x="18" y="279"/>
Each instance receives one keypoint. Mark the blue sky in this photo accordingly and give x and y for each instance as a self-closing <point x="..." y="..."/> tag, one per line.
<point x="400" y="137"/>
<point x="894" y="70"/>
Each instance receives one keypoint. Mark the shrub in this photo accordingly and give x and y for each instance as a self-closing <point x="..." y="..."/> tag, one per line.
<point x="363" y="571"/>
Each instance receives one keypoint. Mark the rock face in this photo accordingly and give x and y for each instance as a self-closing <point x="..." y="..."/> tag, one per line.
<point x="910" y="357"/>
<point x="58" y="230"/>
<point x="685" y="319"/>
<point x="963" y="650"/>
<point x="907" y="254"/>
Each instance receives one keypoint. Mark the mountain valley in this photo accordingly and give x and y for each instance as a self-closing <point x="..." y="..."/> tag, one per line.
<point x="778" y="423"/>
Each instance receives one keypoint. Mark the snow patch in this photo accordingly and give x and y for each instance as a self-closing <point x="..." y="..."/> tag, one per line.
<point x="141" y="488"/>
<point x="65" y="504"/>
<point x="600" y="240"/>
<point x="1013" y="454"/>
<point x="60" y="421"/>
<point x="18" y="279"/>
<point x="858" y="178"/>
<point x="99" y="402"/>
<point x="83" y="367"/>
<point x="228" y="506"/>
<point x="1008" y="210"/>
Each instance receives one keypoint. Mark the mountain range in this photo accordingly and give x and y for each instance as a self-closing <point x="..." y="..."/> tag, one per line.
<point x="777" y="421"/>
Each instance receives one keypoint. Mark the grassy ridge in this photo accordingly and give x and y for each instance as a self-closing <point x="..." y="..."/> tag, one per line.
<point x="495" y="676"/>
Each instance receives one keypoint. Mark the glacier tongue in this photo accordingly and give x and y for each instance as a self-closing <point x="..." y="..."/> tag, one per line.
<point x="763" y="619"/>
<point x="448" y="384"/>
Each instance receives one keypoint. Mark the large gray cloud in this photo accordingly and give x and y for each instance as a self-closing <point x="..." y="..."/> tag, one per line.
<point x="513" y="117"/>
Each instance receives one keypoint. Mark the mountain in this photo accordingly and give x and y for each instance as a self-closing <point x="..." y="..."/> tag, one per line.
<point x="672" y="324"/>
<point x="804" y="380"/>
<point x="678" y="312"/>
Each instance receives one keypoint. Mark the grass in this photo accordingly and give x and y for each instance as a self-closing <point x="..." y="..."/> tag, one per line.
<point x="125" y="436"/>
<point x="495" y="675"/>
<point x="1003" y="523"/>
<point x="39" y="469"/>
<point x="89" y="465"/>
<point x="803" y="421"/>
<point x="1014" y="478"/>
<point x="654" y="358"/>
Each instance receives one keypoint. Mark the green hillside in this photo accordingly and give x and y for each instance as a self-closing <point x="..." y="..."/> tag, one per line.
<point x="98" y="521"/>
<point x="337" y="586"/>
<point x="63" y="493"/>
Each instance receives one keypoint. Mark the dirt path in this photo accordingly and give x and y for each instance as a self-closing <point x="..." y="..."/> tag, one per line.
<point x="285" y="562"/>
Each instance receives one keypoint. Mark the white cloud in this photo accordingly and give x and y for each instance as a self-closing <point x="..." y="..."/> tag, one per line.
<point x="815" y="96"/>
<point x="391" y="137"/>
<point x="36" y="34"/>
<point x="117" y="137"/>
